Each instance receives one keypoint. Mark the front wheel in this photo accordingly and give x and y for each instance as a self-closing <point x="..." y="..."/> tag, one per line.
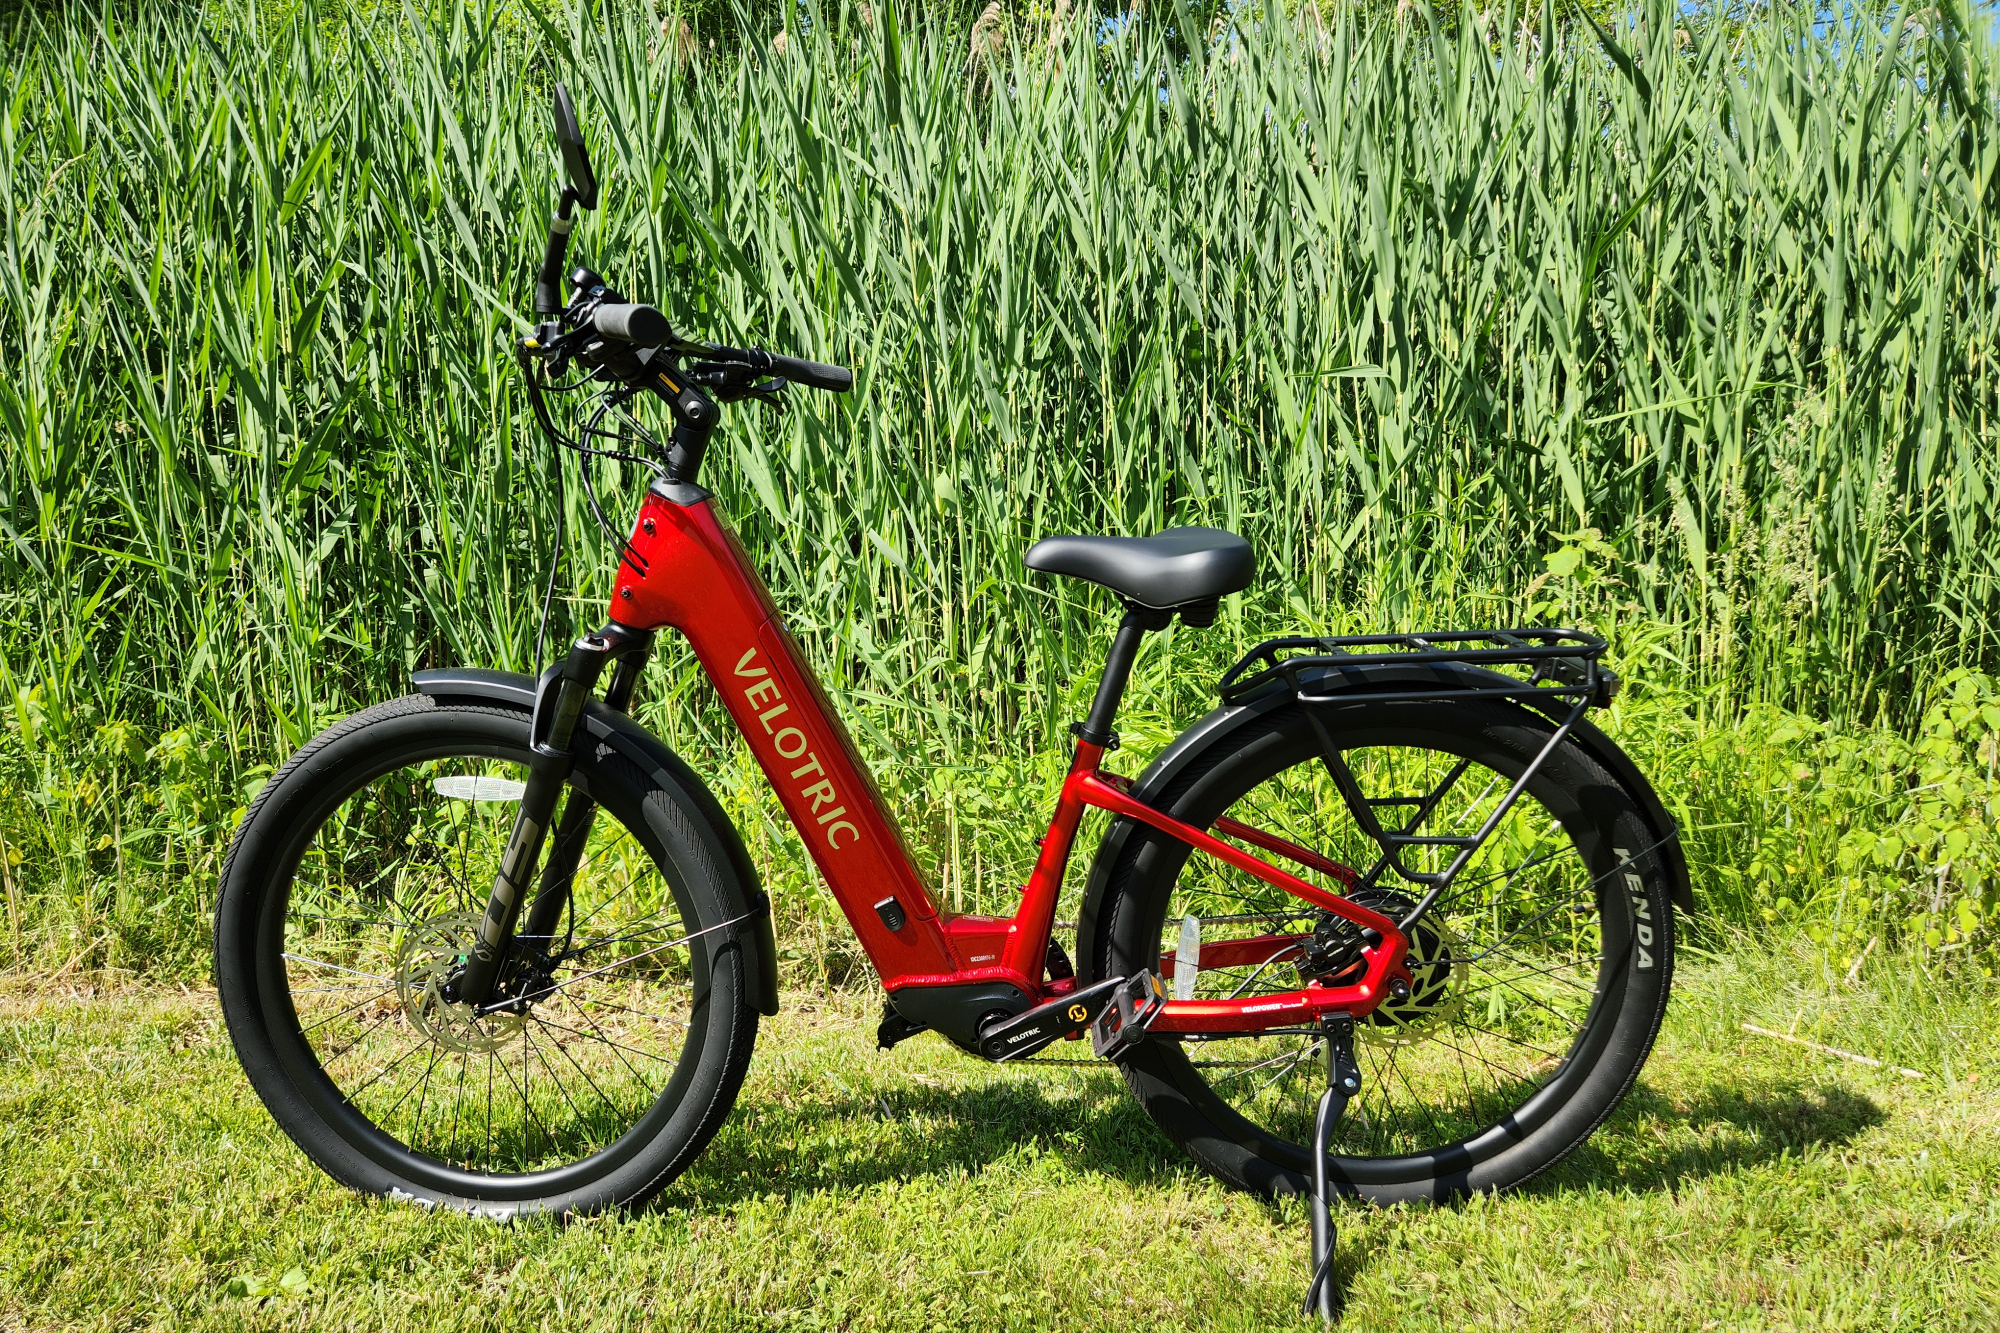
<point x="1541" y="974"/>
<point x="616" y="1043"/>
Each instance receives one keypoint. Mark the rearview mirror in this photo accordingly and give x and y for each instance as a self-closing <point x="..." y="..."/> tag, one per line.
<point x="576" y="158"/>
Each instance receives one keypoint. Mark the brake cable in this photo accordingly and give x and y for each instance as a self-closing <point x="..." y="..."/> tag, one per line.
<point x="613" y="400"/>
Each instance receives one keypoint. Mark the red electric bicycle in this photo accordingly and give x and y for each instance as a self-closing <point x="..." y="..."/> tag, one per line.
<point x="493" y="946"/>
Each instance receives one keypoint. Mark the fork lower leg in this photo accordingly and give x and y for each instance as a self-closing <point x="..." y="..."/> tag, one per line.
<point x="549" y="764"/>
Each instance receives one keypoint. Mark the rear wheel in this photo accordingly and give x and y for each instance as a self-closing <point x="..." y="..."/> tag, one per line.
<point x="349" y="900"/>
<point x="1541" y="974"/>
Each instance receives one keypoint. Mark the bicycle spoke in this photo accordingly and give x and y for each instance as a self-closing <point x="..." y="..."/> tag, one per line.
<point x="1250" y="1068"/>
<point x="379" y="1074"/>
<point x="436" y="1054"/>
<point x="526" y="1106"/>
<point x="1461" y="1052"/>
<point x="356" y="920"/>
<point x="352" y="972"/>
<point x="624" y="1009"/>
<point x="584" y="863"/>
<point x="373" y="996"/>
<point x="579" y="950"/>
<point x="581" y="1071"/>
<point x="1297" y="1056"/>
<point x="528" y="1044"/>
<point x="602" y="1039"/>
<point x="458" y="1104"/>
<point x="327" y="1062"/>
<point x="1549" y="972"/>
<point x="1511" y="1040"/>
<point x="619" y="1050"/>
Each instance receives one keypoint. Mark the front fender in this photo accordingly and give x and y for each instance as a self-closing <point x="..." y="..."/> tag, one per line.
<point x="651" y="755"/>
<point x="1222" y="724"/>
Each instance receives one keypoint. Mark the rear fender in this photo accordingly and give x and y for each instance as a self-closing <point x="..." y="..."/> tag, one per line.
<point x="508" y="689"/>
<point x="1220" y="726"/>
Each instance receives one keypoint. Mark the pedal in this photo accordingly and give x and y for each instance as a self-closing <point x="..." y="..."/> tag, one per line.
<point x="1065" y="1016"/>
<point x="1122" y="1024"/>
<point x="894" y="1028"/>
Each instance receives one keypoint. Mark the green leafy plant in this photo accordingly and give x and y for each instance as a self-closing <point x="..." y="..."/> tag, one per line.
<point x="1686" y="332"/>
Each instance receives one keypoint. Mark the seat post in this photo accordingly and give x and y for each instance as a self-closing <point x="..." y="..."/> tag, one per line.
<point x="1132" y="629"/>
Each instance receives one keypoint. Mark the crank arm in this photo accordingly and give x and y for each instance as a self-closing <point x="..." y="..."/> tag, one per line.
<point x="1068" y="1015"/>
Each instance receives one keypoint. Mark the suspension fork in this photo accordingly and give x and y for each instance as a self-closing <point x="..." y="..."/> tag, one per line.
<point x="558" y="711"/>
<point x="573" y="830"/>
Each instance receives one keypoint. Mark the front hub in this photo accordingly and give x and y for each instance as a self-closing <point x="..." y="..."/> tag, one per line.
<point x="427" y="968"/>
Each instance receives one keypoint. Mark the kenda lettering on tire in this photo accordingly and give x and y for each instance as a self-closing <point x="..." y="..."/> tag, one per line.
<point x="1642" y="908"/>
<point x="768" y="702"/>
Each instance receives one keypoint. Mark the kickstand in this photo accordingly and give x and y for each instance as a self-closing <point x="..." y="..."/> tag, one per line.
<point x="1343" y="1081"/>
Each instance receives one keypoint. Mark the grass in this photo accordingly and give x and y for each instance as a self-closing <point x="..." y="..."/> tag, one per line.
<point x="1745" y="1184"/>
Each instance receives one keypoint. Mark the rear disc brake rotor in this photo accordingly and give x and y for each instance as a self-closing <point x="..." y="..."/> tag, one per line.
<point x="1436" y="962"/>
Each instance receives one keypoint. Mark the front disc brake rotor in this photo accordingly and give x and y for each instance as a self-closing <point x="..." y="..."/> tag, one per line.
<point x="430" y="956"/>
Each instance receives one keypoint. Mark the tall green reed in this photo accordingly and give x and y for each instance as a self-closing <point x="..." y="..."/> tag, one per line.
<point x="1689" y="334"/>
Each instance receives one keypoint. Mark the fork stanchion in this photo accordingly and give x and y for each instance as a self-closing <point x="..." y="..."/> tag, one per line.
<point x="1343" y="1081"/>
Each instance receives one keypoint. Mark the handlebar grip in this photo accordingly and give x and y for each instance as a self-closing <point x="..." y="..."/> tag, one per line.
<point x="633" y="324"/>
<point x="812" y="374"/>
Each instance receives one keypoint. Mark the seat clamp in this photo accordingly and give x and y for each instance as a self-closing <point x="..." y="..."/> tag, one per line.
<point x="1082" y="733"/>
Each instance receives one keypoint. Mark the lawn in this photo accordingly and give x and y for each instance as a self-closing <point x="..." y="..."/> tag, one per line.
<point x="1747" y="1183"/>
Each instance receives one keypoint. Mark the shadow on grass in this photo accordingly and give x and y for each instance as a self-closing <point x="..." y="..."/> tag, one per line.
<point x="794" y="1145"/>
<point x="1655" y="1142"/>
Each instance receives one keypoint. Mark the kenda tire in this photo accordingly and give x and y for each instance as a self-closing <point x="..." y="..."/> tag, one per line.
<point x="1618" y="1032"/>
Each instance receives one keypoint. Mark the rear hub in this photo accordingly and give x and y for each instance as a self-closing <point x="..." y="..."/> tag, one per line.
<point x="1437" y="967"/>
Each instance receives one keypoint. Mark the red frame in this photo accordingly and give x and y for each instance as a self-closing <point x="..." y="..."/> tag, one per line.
<point x="686" y="571"/>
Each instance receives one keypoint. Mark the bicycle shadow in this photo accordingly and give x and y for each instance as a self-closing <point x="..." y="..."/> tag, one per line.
<point x="1657" y="1142"/>
<point x="792" y="1143"/>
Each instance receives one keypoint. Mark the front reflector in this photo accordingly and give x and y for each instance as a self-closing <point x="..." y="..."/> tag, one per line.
<point x="465" y="787"/>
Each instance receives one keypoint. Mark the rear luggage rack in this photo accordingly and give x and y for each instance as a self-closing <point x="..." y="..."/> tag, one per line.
<point x="1563" y="668"/>
<point x="1564" y="664"/>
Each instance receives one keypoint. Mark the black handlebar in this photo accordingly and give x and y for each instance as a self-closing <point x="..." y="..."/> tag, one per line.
<point x="812" y="374"/>
<point x="633" y="324"/>
<point x="644" y="326"/>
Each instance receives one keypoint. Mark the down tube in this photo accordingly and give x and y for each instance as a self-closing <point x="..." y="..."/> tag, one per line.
<point x="687" y="572"/>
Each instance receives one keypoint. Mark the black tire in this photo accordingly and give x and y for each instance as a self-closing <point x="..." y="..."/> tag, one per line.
<point x="356" y="866"/>
<point x="1514" y="1047"/>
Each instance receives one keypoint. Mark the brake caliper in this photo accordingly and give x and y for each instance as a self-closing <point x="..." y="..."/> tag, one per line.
<point x="1334" y="958"/>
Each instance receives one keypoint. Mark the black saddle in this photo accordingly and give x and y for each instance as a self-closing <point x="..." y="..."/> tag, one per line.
<point x="1177" y="568"/>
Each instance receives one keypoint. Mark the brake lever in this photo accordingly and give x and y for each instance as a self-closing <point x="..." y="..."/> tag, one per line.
<point x="729" y="382"/>
<point x="770" y="393"/>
